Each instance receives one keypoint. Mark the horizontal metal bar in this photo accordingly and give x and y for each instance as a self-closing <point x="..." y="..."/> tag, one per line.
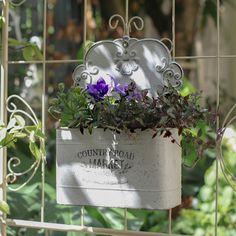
<point x="205" y="57"/>
<point x="81" y="229"/>
<point x="46" y="61"/>
<point x="81" y="61"/>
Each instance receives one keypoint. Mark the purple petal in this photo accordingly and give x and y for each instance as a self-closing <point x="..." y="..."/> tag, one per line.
<point x="101" y="81"/>
<point x="121" y="89"/>
<point x="91" y="89"/>
<point x="98" y="90"/>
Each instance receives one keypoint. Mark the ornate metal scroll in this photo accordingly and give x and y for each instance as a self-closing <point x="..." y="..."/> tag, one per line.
<point x="15" y="161"/>
<point x="127" y="25"/>
<point x="146" y="61"/>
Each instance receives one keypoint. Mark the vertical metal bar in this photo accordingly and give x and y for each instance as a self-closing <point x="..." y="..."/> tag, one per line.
<point x="82" y="216"/>
<point x="173" y="28"/>
<point x="84" y="42"/>
<point x="3" y="114"/>
<point x="43" y="104"/>
<point x="126" y="11"/>
<point x="218" y="118"/>
<point x="126" y="33"/>
<point x="125" y="219"/>
<point x="170" y="221"/>
<point x="173" y="55"/>
<point x="85" y="25"/>
<point x="126" y="29"/>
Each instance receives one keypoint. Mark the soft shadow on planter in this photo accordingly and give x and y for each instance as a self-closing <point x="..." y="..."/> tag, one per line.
<point x="118" y="170"/>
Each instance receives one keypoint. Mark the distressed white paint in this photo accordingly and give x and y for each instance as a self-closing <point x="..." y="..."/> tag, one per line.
<point x="118" y="170"/>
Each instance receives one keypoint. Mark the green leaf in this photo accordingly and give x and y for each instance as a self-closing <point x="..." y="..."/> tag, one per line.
<point x="90" y="129"/>
<point x="30" y="128"/>
<point x="4" y="207"/>
<point x="28" y="53"/>
<point x="8" y="140"/>
<point x="37" y="53"/>
<point x="11" y="123"/>
<point x="35" y="150"/>
<point x="20" y="135"/>
<point x="14" y="42"/>
<point x="210" y="176"/>
<point x="227" y="196"/>
<point x="206" y="193"/>
<point x="98" y="215"/>
<point x="35" y="131"/>
<point x="16" y="129"/>
<point x="3" y="133"/>
<point x="20" y="120"/>
<point x="32" y="136"/>
<point x="61" y="87"/>
<point x="38" y="133"/>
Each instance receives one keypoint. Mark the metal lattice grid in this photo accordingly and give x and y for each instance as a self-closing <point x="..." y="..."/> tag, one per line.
<point x="5" y="221"/>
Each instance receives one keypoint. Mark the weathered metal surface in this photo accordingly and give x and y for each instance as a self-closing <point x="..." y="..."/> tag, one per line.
<point x="146" y="61"/>
<point x="118" y="170"/>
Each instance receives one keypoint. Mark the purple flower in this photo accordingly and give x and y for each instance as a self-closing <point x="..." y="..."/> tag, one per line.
<point x="135" y="95"/>
<point x="98" y="90"/>
<point x="122" y="89"/>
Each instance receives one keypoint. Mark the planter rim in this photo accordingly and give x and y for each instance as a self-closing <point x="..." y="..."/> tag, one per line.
<point x="122" y="131"/>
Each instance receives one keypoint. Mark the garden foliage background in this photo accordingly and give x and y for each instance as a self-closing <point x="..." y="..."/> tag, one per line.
<point x="195" y="37"/>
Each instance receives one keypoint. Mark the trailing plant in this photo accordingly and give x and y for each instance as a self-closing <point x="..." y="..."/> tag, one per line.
<point x="126" y="108"/>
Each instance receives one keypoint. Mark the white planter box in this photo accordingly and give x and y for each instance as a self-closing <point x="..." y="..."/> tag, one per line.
<point x="112" y="170"/>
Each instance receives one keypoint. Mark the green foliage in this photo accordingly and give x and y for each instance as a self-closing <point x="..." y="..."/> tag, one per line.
<point x="187" y="88"/>
<point x="209" y="10"/>
<point x="4" y="207"/>
<point x="72" y="108"/>
<point x="199" y="221"/>
<point x="83" y="48"/>
<point x="29" y="209"/>
<point x="30" y="51"/>
<point x="16" y="130"/>
<point x="77" y="108"/>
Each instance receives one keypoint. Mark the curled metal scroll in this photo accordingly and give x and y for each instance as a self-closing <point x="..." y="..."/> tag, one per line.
<point x="15" y="161"/>
<point x="227" y="173"/>
<point x="85" y="74"/>
<point x="119" y="19"/>
<point x="17" y="3"/>
<point x="127" y="25"/>
<point x="164" y="40"/>
<point x="133" y="21"/>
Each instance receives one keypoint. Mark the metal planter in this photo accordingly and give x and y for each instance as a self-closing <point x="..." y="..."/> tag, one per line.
<point x="118" y="170"/>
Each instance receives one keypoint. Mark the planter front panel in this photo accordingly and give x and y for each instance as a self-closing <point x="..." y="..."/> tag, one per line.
<point x="112" y="170"/>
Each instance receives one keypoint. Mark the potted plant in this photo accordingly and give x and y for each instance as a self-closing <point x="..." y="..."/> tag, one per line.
<point x="119" y="146"/>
